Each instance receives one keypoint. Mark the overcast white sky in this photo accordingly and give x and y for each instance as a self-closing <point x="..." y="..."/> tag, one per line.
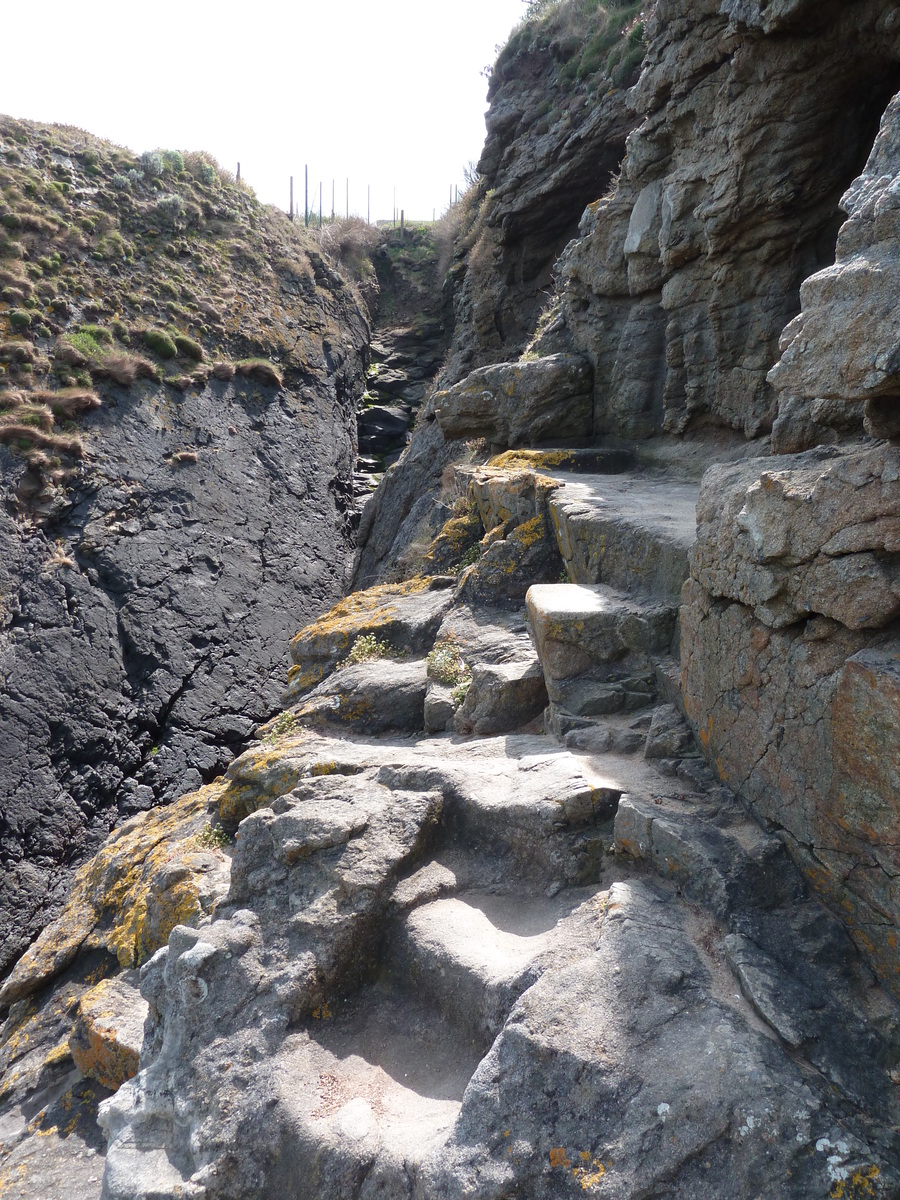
<point x="389" y="94"/>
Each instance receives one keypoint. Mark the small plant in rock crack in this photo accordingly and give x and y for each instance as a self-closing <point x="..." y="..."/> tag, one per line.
<point x="213" y="837"/>
<point x="445" y="664"/>
<point x="367" y="648"/>
<point x="469" y="559"/>
<point x="283" y="724"/>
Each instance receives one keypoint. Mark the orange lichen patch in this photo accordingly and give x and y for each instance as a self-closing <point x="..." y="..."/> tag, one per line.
<point x="558" y="1157"/>
<point x="147" y="878"/>
<point x="106" y="1041"/>
<point x="339" y="708"/>
<point x="856" y="1186"/>
<point x="589" y="1177"/>
<point x="257" y="778"/>
<point x="301" y="679"/>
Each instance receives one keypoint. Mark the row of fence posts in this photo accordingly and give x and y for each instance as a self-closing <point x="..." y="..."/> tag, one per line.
<point x="306" y="208"/>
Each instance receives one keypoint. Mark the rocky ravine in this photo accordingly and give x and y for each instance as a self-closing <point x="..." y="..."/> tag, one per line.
<point x="520" y="895"/>
<point x="162" y="536"/>
<point x="497" y="959"/>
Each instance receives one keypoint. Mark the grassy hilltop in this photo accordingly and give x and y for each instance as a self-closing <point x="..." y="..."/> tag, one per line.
<point x="116" y="267"/>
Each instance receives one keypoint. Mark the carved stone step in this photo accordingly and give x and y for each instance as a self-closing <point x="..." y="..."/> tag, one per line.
<point x="632" y="532"/>
<point x="597" y="646"/>
<point x="472" y="956"/>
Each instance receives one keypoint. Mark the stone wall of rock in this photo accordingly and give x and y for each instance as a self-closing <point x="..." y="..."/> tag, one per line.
<point x="791" y="619"/>
<point x="148" y="589"/>
<point x="553" y="144"/>
<point x="756" y="118"/>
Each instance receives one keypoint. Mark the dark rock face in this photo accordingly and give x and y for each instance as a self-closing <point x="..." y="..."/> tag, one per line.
<point x="550" y="151"/>
<point x="149" y="588"/>
<point x="134" y="671"/>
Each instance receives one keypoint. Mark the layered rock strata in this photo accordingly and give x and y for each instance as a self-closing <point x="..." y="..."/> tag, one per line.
<point x="754" y="122"/>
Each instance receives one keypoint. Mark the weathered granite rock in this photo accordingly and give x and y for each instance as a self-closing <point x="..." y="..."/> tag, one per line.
<point x="518" y="404"/>
<point x="154" y="872"/>
<point x="627" y="531"/>
<point x="800" y="536"/>
<point x="794" y="587"/>
<point x="669" y="736"/>
<point x="844" y="344"/>
<point x="686" y="273"/>
<point x="510" y="564"/>
<point x="404" y="616"/>
<point x="369" y="696"/>
<point x="440" y="707"/>
<point x="502" y="697"/>
<point x="596" y="646"/>
<point x="109" y="1031"/>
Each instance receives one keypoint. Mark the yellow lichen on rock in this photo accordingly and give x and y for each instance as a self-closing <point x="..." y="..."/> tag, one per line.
<point x="359" y="613"/>
<point x="534" y="460"/>
<point x="148" y="877"/>
<point x="106" y="1041"/>
<point x="256" y="778"/>
<point x="396" y="612"/>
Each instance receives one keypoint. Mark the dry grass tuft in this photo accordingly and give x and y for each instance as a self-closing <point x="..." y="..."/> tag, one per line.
<point x="260" y="370"/>
<point x="124" y="369"/>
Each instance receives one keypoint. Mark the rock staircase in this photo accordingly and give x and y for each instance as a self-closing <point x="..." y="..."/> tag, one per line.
<point x="551" y="959"/>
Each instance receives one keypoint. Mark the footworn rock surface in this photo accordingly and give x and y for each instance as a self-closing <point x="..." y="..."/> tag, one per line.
<point x="493" y="961"/>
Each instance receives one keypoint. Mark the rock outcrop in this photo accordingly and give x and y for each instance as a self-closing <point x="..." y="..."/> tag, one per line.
<point x="521" y="893"/>
<point x="754" y="122"/>
<point x="148" y="588"/>
<point x="790" y="623"/>
<point x="556" y="130"/>
<point x="375" y="1006"/>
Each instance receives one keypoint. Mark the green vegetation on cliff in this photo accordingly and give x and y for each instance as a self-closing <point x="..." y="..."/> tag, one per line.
<point x="588" y="38"/>
<point x="117" y="268"/>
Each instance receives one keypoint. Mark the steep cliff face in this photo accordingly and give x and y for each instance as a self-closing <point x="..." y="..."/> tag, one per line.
<point x="556" y="127"/>
<point x="790" y="622"/>
<point x="176" y="398"/>
<point x="754" y="120"/>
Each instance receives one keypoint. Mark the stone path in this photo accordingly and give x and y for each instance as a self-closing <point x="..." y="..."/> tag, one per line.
<point x="555" y="960"/>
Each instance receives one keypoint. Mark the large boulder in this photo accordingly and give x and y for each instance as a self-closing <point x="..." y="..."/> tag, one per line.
<point x="404" y="616"/>
<point x="519" y="404"/>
